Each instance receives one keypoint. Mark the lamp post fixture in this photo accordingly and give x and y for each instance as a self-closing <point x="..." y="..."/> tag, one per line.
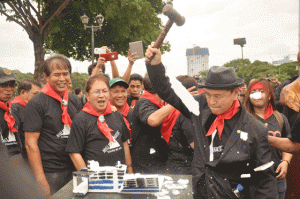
<point x="85" y="21"/>
<point x="241" y="42"/>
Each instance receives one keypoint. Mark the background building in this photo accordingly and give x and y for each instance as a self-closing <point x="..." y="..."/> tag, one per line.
<point x="286" y="59"/>
<point x="197" y="60"/>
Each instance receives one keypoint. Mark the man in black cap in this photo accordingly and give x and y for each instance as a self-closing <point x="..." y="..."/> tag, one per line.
<point x="9" y="134"/>
<point x="229" y="142"/>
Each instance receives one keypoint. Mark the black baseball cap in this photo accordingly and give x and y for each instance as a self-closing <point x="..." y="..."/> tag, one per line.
<point x="6" y="75"/>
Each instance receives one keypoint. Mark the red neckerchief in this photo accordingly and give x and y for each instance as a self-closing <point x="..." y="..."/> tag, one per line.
<point x="125" y="111"/>
<point x="19" y="100"/>
<point x="133" y="102"/>
<point x="152" y="99"/>
<point x="168" y="124"/>
<point x="65" y="117"/>
<point x="169" y="121"/>
<point x="101" y="125"/>
<point x="219" y="121"/>
<point x="269" y="111"/>
<point x="10" y="121"/>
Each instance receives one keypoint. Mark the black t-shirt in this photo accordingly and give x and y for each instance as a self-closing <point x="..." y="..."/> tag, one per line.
<point x="130" y="99"/>
<point x="18" y="114"/>
<point x="149" y="149"/>
<point x="180" y="152"/>
<point x="87" y="139"/>
<point x="218" y="145"/>
<point x="11" y="140"/>
<point x="43" y="115"/>
<point x="129" y="116"/>
<point x="273" y="125"/>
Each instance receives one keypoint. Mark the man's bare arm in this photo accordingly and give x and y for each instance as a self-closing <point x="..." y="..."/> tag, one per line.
<point x="35" y="160"/>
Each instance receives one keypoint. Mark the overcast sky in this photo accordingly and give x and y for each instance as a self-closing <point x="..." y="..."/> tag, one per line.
<point x="269" y="26"/>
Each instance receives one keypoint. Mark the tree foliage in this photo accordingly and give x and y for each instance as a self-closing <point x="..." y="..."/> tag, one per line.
<point x="79" y="80"/>
<point x="237" y="63"/>
<point x="259" y="69"/>
<point x="125" y="21"/>
<point x="55" y="25"/>
<point x="36" y="17"/>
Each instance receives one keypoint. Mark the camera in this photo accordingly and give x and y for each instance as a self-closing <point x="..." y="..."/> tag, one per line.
<point x="98" y="51"/>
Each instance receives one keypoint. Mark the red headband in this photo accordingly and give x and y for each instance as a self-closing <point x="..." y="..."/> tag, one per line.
<point x="256" y="86"/>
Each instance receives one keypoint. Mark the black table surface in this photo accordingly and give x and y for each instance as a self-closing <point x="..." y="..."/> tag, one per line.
<point x="67" y="192"/>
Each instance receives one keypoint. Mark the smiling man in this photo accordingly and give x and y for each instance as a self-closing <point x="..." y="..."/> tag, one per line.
<point x="47" y="126"/>
<point x="118" y="97"/>
<point x="228" y="141"/>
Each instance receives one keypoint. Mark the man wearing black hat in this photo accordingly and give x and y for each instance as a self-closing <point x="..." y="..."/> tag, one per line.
<point x="229" y="142"/>
<point x="9" y="134"/>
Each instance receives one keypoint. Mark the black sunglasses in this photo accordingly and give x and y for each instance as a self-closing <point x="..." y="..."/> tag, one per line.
<point x="10" y="84"/>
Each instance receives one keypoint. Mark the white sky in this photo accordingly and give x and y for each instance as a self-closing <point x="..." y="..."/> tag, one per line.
<point x="270" y="28"/>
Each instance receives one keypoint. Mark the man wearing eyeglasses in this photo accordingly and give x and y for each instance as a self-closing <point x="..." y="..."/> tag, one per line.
<point x="9" y="134"/>
<point x="27" y="89"/>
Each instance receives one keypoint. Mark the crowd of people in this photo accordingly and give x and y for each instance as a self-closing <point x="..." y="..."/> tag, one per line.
<point x="240" y="141"/>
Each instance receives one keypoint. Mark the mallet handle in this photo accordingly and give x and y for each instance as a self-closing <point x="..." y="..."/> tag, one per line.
<point x="161" y="38"/>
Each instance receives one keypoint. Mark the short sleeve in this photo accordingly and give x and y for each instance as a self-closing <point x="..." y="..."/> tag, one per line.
<point x="34" y="117"/>
<point x="145" y="110"/>
<point x="77" y="136"/>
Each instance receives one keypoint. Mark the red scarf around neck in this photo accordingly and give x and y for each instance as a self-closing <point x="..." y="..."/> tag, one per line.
<point x="101" y="125"/>
<point x="125" y="111"/>
<point x="269" y="111"/>
<point x="19" y="100"/>
<point x="48" y="90"/>
<point x="219" y="121"/>
<point x="10" y="121"/>
<point x="133" y="102"/>
<point x="152" y="99"/>
<point x="169" y="121"/>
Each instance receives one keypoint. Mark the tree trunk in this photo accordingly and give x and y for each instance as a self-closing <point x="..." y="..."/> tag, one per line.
<point x="39" y="54"/>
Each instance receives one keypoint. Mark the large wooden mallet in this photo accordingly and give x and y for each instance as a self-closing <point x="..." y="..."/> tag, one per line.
<point x="174" y="16"/>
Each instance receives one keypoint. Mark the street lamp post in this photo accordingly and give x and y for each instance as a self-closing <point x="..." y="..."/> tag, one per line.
<point x="241" y="42"/>
<point x="85" y="21"/>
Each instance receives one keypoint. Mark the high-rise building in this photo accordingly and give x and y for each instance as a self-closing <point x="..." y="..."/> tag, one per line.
<point x="197" y="60"/>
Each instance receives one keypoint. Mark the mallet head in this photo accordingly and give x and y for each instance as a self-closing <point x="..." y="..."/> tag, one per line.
<point x="173" y="15"/>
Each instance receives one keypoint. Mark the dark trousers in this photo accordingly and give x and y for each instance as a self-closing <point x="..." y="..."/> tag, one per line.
<point x="58" y="179"/>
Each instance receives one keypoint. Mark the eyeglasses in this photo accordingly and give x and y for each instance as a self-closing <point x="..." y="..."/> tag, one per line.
<point x="98" y="92"/>
<point x="10" y="84"/>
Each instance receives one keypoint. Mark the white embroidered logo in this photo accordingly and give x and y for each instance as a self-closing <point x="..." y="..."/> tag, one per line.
<point x="65" y="132"/>
<point x="112" y="146"/>
<point x="10" y="140"/>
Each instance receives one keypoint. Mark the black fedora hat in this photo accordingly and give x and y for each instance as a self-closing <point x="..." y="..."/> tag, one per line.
<point x="219" y="78"/>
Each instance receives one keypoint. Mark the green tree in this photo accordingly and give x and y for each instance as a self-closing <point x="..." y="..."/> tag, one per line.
<point x="237" y="63"/>
<point x="125" y="21"/>
<point x="36" y="17"/>
<point x="79" y="80"/>
<point x="287" y="70"/>
<point x="54" y="25"/>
